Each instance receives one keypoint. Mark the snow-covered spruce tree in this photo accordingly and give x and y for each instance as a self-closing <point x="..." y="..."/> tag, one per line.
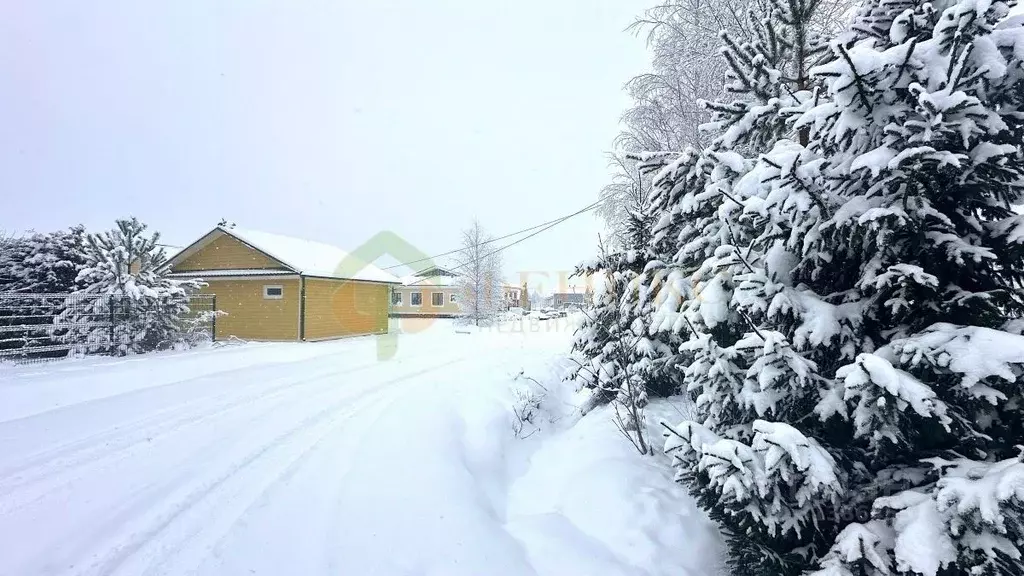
<point x="923" y="141"/>
<point x="479" y="282"/>
<point x="39" y="263"/>
<point x="769" y="74"/>
<point x="123" y="266"/>
<point x="759" y="477"/>
<point x="44" y="262"/>
<point x="721" y="259"/>
<point x="615" y="357"/>
<point x="15" y="310"/>
<point x="867" y="417"/>
<point x="699" y="213"/>
<point x="602" y="342"/>
<point x="606" y="342"/>
<point x="10" y="252"/>
<point x="683" y="37"/>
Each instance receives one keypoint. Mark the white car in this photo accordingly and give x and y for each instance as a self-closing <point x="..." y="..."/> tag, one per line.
<point x="539" y="315"/>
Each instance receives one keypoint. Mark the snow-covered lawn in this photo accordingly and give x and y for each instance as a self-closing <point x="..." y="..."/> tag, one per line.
<point x="310" y="459"/>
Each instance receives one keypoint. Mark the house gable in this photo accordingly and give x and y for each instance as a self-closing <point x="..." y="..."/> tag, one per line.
<point x="220" y="251"/>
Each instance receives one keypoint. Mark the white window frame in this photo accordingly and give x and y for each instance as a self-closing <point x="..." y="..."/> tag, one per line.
<point x="268" y="296"/>
<point x="451" y="299"/>
<point x="441" y="305"/>
<point x="413" y="304"/>
<point x="400" y="299"/>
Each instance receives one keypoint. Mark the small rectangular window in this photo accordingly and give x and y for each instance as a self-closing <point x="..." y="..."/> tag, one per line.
<point x="273" y="292"/>
<point x="453" y="299"/>
<point x="437" y="298"/>
<point x="396" y="298"/>
<point x="416" y="298"/>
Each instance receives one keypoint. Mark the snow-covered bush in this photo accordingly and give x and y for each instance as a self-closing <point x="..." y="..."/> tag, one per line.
<point x="844" y="271"/>
<point x="195" y="328"/>
<point x="525" y="412"/>
<point x="147" y="309"/>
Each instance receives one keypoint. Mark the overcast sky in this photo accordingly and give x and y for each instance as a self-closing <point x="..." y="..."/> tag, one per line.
<point x="324" y="120"/>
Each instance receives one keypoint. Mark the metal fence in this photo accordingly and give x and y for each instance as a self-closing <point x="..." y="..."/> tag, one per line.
<point x="40" y="327"/>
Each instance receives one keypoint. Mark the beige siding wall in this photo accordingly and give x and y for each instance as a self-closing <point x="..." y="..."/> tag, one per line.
<point x="510" y="295"/>
<point x="227" y="253"/>
<point x="336" y="308"/>
<point x="252" y="317"/>
<point x="426" y="308"/>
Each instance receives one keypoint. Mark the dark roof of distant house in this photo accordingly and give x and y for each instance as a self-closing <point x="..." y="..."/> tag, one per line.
<point x="435" y="271"/>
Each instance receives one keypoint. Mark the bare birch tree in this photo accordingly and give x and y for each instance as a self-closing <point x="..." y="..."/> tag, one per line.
<point x="667" y="108"/>
<point x="479" y="283"/>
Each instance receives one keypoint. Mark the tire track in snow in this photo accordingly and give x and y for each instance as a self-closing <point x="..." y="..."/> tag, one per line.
<point x="83" y="451"/>
<point x="160" y="534"/>
<point x="333" y="531"/>
<point x="194" y="551"/>
<point x="113" y="554"/>
<point x="213" y="376"/>
<point x="25" y="491"/>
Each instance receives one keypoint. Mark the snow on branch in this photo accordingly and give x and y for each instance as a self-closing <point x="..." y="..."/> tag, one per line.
<point x="784" y="479"/>
<point x="878" y="395"/>
<point x="974" y="352"/>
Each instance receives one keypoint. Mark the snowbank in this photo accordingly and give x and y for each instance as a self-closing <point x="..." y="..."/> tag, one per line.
<point x="590" y="504"/>
<point x="574" y="495"/>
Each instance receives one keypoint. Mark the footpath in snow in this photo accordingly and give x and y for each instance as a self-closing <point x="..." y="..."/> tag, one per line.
<point x="318" y="459"/>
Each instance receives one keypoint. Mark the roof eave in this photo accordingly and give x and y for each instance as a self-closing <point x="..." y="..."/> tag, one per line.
<point x="209" y="237"/>
<point x="322" y="277"/>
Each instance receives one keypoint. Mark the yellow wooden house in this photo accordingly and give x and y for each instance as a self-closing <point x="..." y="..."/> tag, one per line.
<point x="280" y="288"/>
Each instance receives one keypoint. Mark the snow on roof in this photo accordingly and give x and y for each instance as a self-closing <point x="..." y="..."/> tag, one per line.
<point x="171" y="252"/>
<point x="310" y="258"/>
<point x="233" y="272"/>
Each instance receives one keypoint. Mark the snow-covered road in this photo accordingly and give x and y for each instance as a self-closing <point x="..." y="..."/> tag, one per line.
<point x="269" y="459"/>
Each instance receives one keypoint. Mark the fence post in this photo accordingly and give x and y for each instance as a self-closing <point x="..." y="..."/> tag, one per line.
<point x="213" y="322"/>
<point x="110" y="307"/>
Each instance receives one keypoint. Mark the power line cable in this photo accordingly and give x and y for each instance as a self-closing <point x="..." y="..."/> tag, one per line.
<point x="546" y="226"/>
<point x="492" y="240"/>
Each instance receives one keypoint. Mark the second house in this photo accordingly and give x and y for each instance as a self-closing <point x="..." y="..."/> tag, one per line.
<point x="427" y="293"/>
